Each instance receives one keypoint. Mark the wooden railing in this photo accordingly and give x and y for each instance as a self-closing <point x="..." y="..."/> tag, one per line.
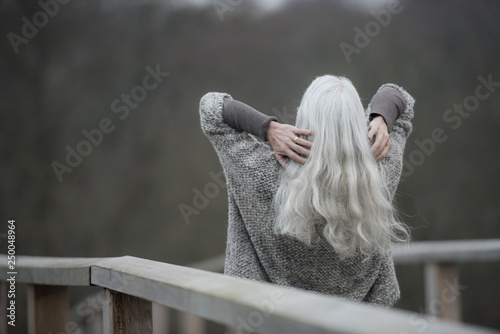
<point x="441" y="275"/>
<point x="440" y="260"/>
<point x="131" y="285"/>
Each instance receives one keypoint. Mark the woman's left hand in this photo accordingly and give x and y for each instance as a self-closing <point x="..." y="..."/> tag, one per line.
<point x="286" y="142"/>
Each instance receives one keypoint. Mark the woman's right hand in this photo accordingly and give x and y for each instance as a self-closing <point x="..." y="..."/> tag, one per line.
<point x="379" y="134"/>
<point x="286" y="142"/>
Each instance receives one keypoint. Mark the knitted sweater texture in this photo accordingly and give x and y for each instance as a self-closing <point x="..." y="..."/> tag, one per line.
<point x="255" y="252"/>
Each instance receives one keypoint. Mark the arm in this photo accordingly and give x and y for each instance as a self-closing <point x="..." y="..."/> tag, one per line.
<point x="242" y="117"/>
<point x="386" y="106"/>
<point x="398" y="133"/>
<point x="389" y="103"/>
<point x="237" y="150"/>
<point x="284" y="138"/>
<point x="249" y="165"/>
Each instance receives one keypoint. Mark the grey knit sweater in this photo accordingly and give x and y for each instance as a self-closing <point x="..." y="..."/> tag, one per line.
<point x="255" y="252"/>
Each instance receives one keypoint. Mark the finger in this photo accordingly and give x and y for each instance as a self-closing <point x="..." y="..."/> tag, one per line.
<point x="302" y="132"/>
<point x="385" y="152"/>
<point x="381" y="141"/>
<point x="379" y="151"/>
<point x="371" y="133"/>
<point x="297" y="158"/>
<point x="303" y="142"/>
<point x="281" y="160"/>
<point x="379" y="155"/>
<point x="376" y="147"/>
<point x="301" y="150"/>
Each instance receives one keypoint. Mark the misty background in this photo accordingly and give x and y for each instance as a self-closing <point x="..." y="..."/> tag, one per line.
<point x="130" y="193"/>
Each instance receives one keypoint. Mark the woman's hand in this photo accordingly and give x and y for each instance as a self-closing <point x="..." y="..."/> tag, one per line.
<point x="382" y="144"/>
<point x="285" y="141"/>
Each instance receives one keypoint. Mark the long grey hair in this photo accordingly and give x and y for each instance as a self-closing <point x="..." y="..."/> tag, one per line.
<point x="340" y="185"/>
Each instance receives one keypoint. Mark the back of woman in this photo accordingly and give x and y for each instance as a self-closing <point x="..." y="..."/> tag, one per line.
<point x="324" y="226"/>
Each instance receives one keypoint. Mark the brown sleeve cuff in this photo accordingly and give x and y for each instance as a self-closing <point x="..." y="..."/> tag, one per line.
<point x="242" y="117"/>
<point x="389" y="103"/>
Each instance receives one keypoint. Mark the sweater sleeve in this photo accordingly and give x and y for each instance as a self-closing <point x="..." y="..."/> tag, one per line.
<point x="242" y="117"/>
<point x="392" y="165"/>
<point x="389" y="103"/>
<point x="246" y="160"/>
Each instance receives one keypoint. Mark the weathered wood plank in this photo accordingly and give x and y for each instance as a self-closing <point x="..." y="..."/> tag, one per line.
<point x="125" y="314"/>
<point x="50" y="270"/>
<point x="447" y="251"/>
<point x="442" y="291"/>
<point x="248" y="305"/>
<point x="75" y="271"/>
<point x="48" y="309"/>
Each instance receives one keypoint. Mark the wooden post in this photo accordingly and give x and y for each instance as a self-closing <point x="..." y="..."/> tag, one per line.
<point x="161" y="319"/>
<point x="125" y="314"/>
<point x="192" y="324"/>
<point x="96" y="325"/>
<point x="442" y="292"/>
<point x="48" y="309"/>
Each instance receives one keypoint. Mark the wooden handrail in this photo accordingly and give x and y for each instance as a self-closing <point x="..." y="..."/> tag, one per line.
<point x="442" y="291"/>
<point x="51" y="270"/>
<point x="132" y="284"/>
<point x="422" y="252"/>
<point x="447" y="251"/>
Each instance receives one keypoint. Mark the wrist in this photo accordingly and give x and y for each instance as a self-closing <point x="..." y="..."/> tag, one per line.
<point x="379" y="118"/>
<point x="273" y="125"/>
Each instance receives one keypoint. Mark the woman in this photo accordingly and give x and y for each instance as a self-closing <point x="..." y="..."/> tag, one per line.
<point x="324" y="223"/>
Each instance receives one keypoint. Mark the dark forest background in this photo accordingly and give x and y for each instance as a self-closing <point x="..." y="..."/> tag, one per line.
<point x="126" y="196"/>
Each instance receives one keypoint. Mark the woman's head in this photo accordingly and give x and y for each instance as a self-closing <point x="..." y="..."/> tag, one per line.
<point x="340" y="186"/>
<point x="331" y="109"/>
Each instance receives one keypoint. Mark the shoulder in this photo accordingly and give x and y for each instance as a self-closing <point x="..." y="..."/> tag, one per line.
<point x="212" y="103"/>
<point x="212" y="122"/>
<point x="212" y="100"/>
